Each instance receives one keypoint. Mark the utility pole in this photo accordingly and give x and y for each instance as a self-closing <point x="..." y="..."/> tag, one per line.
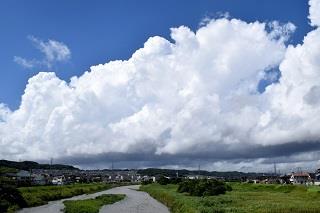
<point x="51" y="161"/>
<point x="299" y="170"/>
<point x="112" y="173"/>
<point x="50" y="167"/>
<point x="275" y="168"/>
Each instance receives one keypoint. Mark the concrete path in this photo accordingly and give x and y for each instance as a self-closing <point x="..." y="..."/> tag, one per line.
<point x="135" y="202"/>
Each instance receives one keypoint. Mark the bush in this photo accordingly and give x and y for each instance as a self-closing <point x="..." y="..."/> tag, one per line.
<point x="204" y="187"/>
<point x="10" y="198"/>
<point x="163" y="180"/>
<point x="175" y="180"/>
<point x="146" y="182"/>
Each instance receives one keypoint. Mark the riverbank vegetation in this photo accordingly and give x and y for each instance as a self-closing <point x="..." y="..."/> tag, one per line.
<point x="12" y="198"/>
<point x="91" y="205"/>
<point x="243" y="198"/>
<point x="203" y="187"/>
<point x="40" y="195"/>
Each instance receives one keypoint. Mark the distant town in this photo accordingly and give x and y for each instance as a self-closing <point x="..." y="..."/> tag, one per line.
<point x="28" y="173"/>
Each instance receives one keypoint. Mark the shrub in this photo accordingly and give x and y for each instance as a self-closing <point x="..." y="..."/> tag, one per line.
<point x="10" y="198"/>
<point x="175" y="180"/>
<point x="163" y="180"/>
<point x="146" y="182"/>
<point x="203" y="187"/>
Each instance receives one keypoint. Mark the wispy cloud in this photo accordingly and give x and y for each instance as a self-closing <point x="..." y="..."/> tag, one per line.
<point x="24" y="62"/>
<point x="53" y="51"/>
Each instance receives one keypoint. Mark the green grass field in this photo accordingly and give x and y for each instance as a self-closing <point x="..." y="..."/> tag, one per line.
<point x="39" y="195"/>
<point x="243" y="198"/>
<point x="91" y="205"/>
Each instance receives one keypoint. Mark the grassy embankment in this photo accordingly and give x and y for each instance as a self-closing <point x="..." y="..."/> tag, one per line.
<point x="243" y="198"/>
<point x="40" y="195"/>
<point x="91" y="205"/>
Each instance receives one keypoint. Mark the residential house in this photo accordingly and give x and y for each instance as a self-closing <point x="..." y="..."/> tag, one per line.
<point x="300" y="178"/>
<point x="39" y="179"/>
<point x="285" y="179"/>
<point x="23" y="175"/>
<point x="317" y="178"/>
<point x="194" y="177"/>
<point x="58" y="180"/>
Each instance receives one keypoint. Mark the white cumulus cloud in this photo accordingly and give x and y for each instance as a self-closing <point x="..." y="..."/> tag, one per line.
<point x="314" y="12"/>
<point x="196" y="96"/>
<point x="199" y="90"/>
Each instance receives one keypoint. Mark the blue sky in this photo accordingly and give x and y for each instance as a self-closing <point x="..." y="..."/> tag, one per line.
<point x="99" y="31"/>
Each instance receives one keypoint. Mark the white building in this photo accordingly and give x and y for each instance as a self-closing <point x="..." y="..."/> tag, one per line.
<point x="317" y="178"/>
<point x="300" y="178"/>
<point x="59" y="180"/>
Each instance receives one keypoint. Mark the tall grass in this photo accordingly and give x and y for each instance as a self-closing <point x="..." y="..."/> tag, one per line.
<point x="166" y="194"/>
<point x="91" y="205"/>
<point x="40" y="195"/>
<point x="244" y="198"/>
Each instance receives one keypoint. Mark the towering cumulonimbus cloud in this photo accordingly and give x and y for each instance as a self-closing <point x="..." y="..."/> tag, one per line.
<point x="314" y="12"/>
<point x="197" y="96"/>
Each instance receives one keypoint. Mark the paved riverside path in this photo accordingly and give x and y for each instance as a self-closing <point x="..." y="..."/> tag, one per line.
<point x="134" y="202"/>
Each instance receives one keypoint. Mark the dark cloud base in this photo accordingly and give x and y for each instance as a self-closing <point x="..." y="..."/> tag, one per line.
<point x="282" y="153"/>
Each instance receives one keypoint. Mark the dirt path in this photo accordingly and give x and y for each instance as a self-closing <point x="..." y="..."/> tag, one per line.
<point x="135" y="202"/>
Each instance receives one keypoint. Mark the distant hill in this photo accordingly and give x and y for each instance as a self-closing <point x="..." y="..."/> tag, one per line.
<point x="6" y="165"/>
<point x="27" y="165"/>
<point x="184" y="172"/>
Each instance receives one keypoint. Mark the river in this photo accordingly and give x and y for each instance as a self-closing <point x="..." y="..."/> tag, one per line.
<point x="134" y="202"/>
